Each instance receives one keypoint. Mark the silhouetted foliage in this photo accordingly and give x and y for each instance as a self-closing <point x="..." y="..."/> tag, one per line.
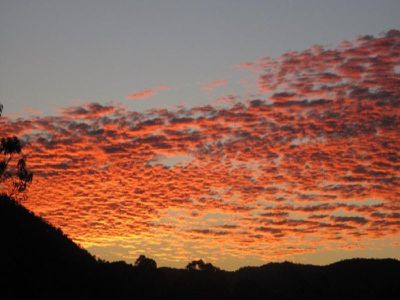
<point x="144" y="262"/>
<point x="37" y="261"/>
<point x="200" y="265"/>
<point x="13" y="168"/>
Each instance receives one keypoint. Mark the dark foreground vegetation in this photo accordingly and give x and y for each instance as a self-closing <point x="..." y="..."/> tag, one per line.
<point x="37" y="261"/>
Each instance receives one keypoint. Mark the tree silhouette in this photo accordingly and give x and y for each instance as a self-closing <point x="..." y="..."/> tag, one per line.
<point x="14" y="174"/>
<point x="146" y="263"/>
<point x="200" y="265"/>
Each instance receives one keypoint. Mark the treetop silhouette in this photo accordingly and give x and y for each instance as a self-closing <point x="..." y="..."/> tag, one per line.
<point x="200" y="265"/>
<point x="14" y="174"/>
<point x="144" y="262"/>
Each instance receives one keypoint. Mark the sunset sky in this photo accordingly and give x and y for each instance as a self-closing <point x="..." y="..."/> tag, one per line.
<point x="240" y="132"/>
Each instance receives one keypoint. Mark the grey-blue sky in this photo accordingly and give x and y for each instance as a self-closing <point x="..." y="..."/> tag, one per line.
<point x="59" y="53"/>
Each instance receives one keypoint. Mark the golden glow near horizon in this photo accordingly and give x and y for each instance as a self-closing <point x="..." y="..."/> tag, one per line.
<point x="308" y="172"/>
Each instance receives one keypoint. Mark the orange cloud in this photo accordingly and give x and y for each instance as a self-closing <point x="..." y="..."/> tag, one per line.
<point x="316" y="166"/>
<point x="148" y="93"/>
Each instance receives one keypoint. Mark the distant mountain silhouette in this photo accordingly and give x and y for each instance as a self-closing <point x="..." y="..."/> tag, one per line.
<point x="37" y="261"/>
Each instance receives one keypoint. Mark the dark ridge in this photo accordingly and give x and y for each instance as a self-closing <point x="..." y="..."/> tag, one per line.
<point x="37" y="258"/>
<point x="37" y="261"/>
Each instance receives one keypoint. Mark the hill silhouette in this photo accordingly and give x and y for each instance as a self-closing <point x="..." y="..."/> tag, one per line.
<point x="37" y="261"/>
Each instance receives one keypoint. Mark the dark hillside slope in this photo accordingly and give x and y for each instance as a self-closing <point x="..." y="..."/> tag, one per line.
<point x="37" y="261"/>
<point x="37" y="258"/>
<point x="348" y="279"/>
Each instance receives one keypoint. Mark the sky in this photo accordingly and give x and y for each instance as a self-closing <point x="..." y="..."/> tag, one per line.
<point x="240" y="132"/>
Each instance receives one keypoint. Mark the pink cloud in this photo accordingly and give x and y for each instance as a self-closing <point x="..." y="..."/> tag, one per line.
<point x="148" y="93"/>
<point x="215" y="84"/>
